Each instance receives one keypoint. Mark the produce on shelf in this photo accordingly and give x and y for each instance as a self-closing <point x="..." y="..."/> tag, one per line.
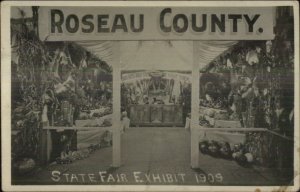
<point x="220" y="149"/>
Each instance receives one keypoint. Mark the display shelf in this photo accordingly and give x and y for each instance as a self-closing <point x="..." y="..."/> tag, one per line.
<point x="200" y="128"/>
<point x="280" y="135"/>
<point x="75" y="128"/>
<point x="231" y="129"/>
<point x="202" y="108"/>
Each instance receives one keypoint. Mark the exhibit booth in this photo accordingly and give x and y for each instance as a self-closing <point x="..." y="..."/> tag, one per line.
<point x="156" y="98"/>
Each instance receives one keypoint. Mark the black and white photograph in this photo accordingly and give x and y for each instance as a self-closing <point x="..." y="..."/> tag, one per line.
<point x="138" y="97"/>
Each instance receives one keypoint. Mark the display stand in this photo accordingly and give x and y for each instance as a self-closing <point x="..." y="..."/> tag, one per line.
<point x="282" y="142"/>
<point x="46" y="144"/>
<point x="46" y="141"/>
<point x="156" y="115"/>
<point x="198" y="132"/>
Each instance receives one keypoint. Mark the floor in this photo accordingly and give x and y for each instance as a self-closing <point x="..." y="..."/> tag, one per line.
<point x="156" y="156"/>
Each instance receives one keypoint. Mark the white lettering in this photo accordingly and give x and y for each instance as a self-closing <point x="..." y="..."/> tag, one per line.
<point x="102" y="176"/>
<point x="55" y="176"/>
<point x="92" y="177"/>
<point x="137" y="177"/>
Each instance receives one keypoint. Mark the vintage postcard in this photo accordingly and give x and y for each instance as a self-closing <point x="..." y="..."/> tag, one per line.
<point x="150" y="96"/>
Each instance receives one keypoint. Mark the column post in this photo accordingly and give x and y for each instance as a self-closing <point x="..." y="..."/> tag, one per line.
<point x="195" y="108"/>
<point x="45" y="138"/>
<point x="116" y="120"/>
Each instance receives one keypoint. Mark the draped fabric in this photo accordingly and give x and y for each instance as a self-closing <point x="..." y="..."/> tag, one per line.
<point x="176" y="89"/>
<point x="158" y="55"/>
<point x="209" y="50"/>
<point x="102" y="49"/>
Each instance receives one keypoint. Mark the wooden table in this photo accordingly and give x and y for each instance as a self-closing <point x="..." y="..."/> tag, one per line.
<point x="156" y="115"/>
